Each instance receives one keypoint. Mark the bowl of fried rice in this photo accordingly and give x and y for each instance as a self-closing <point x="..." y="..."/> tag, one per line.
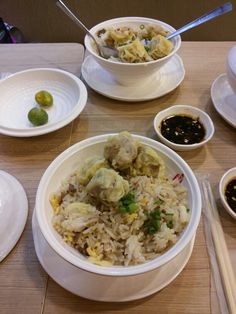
<point x="141" y="45"/>
<point x="115" y="217"/>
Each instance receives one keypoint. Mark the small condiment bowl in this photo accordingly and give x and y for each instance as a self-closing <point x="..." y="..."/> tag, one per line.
<point x="184" y="110"/>
<point x="224" y="181"/>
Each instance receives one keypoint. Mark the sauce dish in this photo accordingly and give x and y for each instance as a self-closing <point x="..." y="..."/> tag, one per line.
<point x="200" y="120"/>
<point x="227" y="191"/>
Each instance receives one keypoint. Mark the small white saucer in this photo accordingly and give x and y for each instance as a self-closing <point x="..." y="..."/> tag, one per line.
<point x="166" y="80"/>
<point x="224" y="99"/>
<point x="13" y="212"/>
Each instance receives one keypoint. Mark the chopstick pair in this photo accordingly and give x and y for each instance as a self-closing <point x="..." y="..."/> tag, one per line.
<point x="213" y="224"/>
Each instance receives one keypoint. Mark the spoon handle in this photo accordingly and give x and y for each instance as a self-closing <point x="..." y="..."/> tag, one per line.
<point x="204" y="18"/>
<point x="68" y="12"/>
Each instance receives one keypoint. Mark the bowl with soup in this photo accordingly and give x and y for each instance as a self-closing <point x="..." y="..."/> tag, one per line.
<point x="141" y="45"/>
<point x="183" y="127"/>
<point x="115" y="217"/>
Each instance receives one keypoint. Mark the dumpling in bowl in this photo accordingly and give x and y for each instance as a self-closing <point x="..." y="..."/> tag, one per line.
<point x="77" y="216"/>
<point x="122" y="35"/>
<point x="160" y="47"/>
<point x="148" y="163"/>
<point x="154" y="30"/>
<point x="133" y="52"/>
<point x="121" y="150"/>
<point x="107" y="186"/>
<point x="89" y="168"/>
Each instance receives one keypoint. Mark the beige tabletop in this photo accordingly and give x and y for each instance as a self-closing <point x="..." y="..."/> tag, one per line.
<point x="24" y="286"/>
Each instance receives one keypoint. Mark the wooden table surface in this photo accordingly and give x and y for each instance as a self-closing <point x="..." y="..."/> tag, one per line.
<point x="24" y="286"/>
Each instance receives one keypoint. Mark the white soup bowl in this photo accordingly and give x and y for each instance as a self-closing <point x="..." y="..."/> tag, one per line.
<point x="130" y="73"/>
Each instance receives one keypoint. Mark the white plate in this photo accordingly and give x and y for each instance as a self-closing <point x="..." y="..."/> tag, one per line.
<point x="68" y="276"/>
<point x="224" y="99"/>
<point x="13" y="212"/>
<point x="165" y="80"/>
<point x="17" y="98"/>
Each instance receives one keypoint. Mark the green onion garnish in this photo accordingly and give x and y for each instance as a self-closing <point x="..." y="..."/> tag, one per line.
<point x="158" y="202"/>
<point x="170" y="224"/>
<point x="128" y="204"/>
<point x="153" y="222"/>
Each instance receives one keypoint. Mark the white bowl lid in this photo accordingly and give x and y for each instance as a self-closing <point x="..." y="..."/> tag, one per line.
<point x="13" y="212"/>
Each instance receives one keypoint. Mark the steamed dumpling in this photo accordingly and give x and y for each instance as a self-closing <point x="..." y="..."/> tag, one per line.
<point x="78" y="216"/>
<point x="160" y="47"/>
<point x="89" y="168"/>
<point x="148" y="163"/>
<point x="122" y="35"/>
<point x="107" y="186"/>
<point x="133" y="52"/>
<point x="154" y="30"/>
<point x="121" y="150"/>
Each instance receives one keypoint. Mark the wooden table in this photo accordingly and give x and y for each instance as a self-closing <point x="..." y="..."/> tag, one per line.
<point x="24" y="286"/>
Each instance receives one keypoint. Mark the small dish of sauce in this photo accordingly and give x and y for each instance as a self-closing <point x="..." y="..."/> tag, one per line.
<point x="182" y="129"/>
<point x="230" y="194"/>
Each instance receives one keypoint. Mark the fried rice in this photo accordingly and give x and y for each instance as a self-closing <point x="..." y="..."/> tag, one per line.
<point x="108" y="236"/>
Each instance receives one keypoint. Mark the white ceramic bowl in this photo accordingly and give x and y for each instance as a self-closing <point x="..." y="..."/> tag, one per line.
<point x="17" y="98"/>
<point x="189" y="111"/>
<point x="231" y="68"/>
<point x="117" y="283"/>
<point x="130" y="73"/>
<point x="226" y="178"/>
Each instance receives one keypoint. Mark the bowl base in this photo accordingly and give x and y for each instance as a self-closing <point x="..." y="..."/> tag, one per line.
<point x="106" y="288"/>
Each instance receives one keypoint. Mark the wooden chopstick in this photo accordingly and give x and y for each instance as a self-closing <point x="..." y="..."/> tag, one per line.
<point x="225" y="266"/>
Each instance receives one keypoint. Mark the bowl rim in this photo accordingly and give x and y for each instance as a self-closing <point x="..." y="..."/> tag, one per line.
<point x="50" y="127"/>
<point x="119" y="271"/>
<point x="230" y="62"/>
<point x="210" y="126"/>
<point x="230" y="173"/>
<point x="132" y="19"/>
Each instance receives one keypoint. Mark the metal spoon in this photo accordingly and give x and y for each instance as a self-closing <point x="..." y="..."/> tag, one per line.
<point x="204" y="18"/>
<point x="104" y="51"/>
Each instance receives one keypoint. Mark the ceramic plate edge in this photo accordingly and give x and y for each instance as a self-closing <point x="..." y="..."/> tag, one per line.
<point x="17" y="236"/>
<point x="214" y="101"/>
<point x="136" y="99"/>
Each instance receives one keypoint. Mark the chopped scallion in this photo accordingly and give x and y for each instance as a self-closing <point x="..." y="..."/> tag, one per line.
<point x="153" y="222"/>
<point x="128" y="204"/>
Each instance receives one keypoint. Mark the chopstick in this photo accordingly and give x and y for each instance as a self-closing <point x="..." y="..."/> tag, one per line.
<point x="225" y="266"/>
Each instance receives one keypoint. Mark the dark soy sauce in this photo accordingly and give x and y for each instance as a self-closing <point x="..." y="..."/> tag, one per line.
<point x="183" y="129"/>
<point x="230" y="194"/>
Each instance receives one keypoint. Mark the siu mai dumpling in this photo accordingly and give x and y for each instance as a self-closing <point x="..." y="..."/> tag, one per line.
<point x="148" y="163"/>
<point x="78" y="216"/>
<point x="89" y="168"/>
<point x="121" y="150"/>
<point x="107" y="186"/>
